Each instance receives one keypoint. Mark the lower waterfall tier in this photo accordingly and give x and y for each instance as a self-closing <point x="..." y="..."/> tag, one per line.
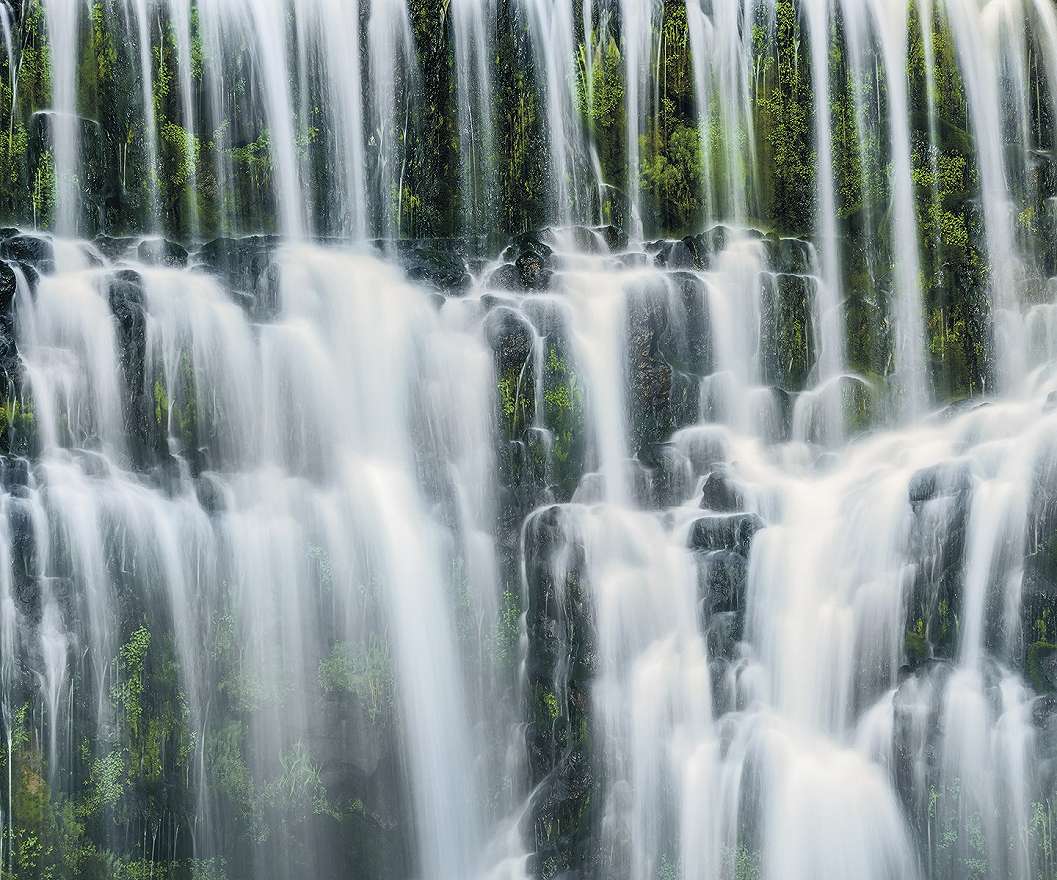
<point x="397" y="562"/>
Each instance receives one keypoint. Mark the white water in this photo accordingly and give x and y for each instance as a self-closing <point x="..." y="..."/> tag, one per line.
<point x="330" y="474"/>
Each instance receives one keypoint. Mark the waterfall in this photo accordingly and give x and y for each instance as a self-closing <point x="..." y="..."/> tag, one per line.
<point x="507" y="439"/>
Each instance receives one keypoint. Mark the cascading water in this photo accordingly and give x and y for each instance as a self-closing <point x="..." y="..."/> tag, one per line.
<point x="720" y="547"/>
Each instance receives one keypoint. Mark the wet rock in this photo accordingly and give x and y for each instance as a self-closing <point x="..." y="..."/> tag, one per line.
<point x="702" y="249"/>
<point x="533" y="271"/>
<point x="787" y="338"/>
<point x="733" y="531"/>
<point x="791" y="256"/>
<point x="8" y="289"/>
<point x="721" y="494"/>
<point x="1044" y="717"/>
<point x="510" y="338"/>
<point x="14" y="471"/>
<point x="113" y="247"/>
<point x="631" y="260"/>
<point x="239" y="261"/>
<point x="437" y="263"/>
<point x="559" y="668"/>
<point x="558" y="617"/>
<point x="267" y="292"/>
<point x="30" y="250"/>
<point x="940" y="497"/>
<point x="940" y="481"/>
<point x="528" y="242"/>
<point x="528" y="265"/>
<point x="1039" y="589"/>
<point x="1042" y="666"/>
<point x="704" y="447"/>
<point x="596" y="239"/>
<point x="522" y="456"/>
<point x="649" y="370"/>
<point x="506" y="277"/>
<point x="125" y="293"/>
<point x="614" y="237"/>
<point x="24" y="553"/>
<point x="697" y="323"/>
<point x="957" y="409"/>
<point x="685" y="398"/>
<point x="159" y="252"/>
<point x="682" y="254"/>
<point x="210" y="491"/>
<point x="722" y="576"/>
<point x="560" y="810"/>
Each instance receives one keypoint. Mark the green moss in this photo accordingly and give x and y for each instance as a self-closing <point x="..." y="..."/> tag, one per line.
<point x="105" y="783"/>
<point x="15" y="415"/>
<point x="916" y="644"/>
<point x="508" y="630"/>
<point x="180" y="150"/>
<point x="367" y="674"/>
<point x="128" y="693"/>
<point x="163" y="75"/>
<point x="227" y="766"/>
<point x="298" y="790"/>
<point x="161" y="404"/>
<point x="197" y="54"/>
<point x="548" y="706"/>
<point x="563" y="412"/>
<point x="105" y="52"/>
<point x="601" y="100"/>
<point x="43" y="196"/>
<point x="670" y="176"/>
<point x="513" y="403"/>
<point x="1037" y="653"/>
<point x="255" y="157"/>
<point x="783" y="122"/>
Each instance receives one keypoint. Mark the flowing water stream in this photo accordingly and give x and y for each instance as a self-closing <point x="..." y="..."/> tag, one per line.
<point x="591" y="552"/>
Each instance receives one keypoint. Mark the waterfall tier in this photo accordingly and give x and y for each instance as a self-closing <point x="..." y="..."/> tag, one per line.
<point x="509" y="439"/>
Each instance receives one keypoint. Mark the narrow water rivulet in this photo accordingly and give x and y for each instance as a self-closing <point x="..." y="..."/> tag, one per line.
<point x="515" y="439"/>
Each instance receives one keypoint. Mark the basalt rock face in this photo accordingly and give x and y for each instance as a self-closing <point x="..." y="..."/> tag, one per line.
<point x="575" y="441"/>
<point x="555" y="553"/>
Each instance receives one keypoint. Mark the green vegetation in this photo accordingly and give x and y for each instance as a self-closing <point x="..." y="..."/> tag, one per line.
<point x="563" y="410"/>
<point x="367" y="674"/>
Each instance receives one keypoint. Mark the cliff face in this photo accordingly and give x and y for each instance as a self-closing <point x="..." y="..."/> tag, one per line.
<point x="527" y="439"/>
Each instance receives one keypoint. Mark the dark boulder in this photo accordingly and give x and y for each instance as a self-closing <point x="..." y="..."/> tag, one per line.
<point x="527" y="267"/>
<point x="596" y="239"/>
<point x="506" y="277"/>
<point x="941" y="480"/>
<point x="10" y="368"/>
<point x="29" y="250"/>
<point x="510" y="338"/>
<point x="650" y="374"/>
<point x="533" y="270"/>
<point x="732" y="531"/>
<point x="791" y="256"/>
<point x="787" y="339"/>
<point x="559" y="670"/>
<point x="113" y="247"/>
<point x="125" y="294"/>
<point x="159" y="252"/>
<point x="437" y="263"/>
<point x="239" y="261"/>
<point x="721" y="494"/>
<point x="696" y="321"/>
<point x="1042" y="666"/>
<point x="683" y="254"/>
<point x="8" y="290"/>
<point x="722" y="576"/>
